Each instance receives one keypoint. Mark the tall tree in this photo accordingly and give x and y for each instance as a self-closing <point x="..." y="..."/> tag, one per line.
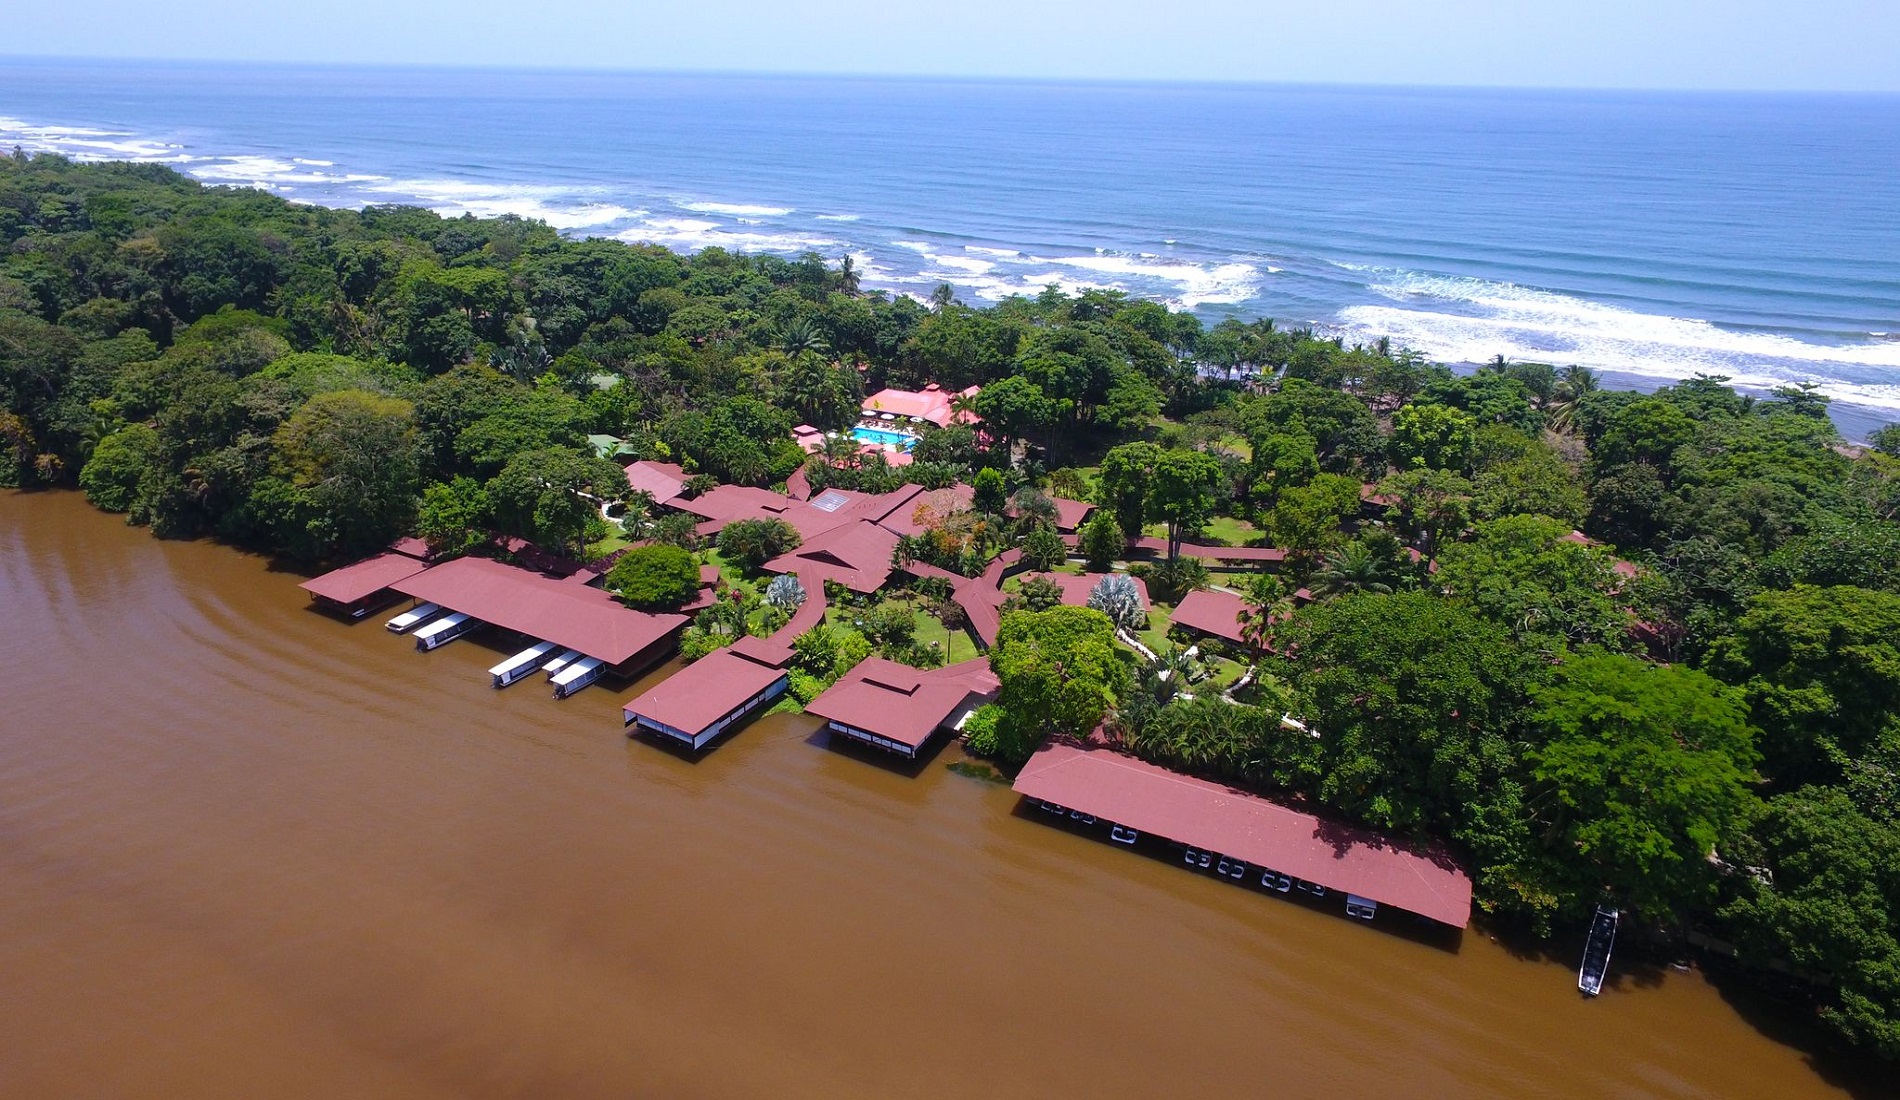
<point x="1638" y="773"/>
<point x="1183" y="492"/>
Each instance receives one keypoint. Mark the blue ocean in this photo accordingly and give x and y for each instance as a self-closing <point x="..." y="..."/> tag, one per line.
<point x="1652" y="235"/>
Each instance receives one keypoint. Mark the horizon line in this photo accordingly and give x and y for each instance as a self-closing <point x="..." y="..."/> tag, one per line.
<point x="932" y="78"/>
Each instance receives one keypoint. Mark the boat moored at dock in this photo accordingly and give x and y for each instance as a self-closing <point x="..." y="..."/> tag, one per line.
<point x="577" y="676"/>
<point x="445" y="630"/>
<point x="412" y="618"/>
<point x="521" y="665"/>
<point x="561" y="660"/>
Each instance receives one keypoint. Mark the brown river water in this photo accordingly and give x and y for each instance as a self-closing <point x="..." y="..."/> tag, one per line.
<point x="247" y="850"/>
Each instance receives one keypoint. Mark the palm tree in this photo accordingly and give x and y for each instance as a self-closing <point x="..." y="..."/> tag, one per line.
<point x="1268" y="606"/>
<point x="1573" y="385"/>
<point x="841" y="449"/>
<point x="638" y="512"/>
<point x="943" y="297"/>
<point x="810" y="390"/>
<point x="800" y="336"/>
<point x="1352" y="568"/>
<point x="848" y="276"/>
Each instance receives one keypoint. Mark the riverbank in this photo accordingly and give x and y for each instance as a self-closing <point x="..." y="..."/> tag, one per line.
<point x="297" y="858"/>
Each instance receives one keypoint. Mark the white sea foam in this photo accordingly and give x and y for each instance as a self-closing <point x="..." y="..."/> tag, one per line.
<point x="1228" y="283"/>
<point x="693" y="234"/>
<point x="1471" y="320"/>
<point x="737" y="209"/>
<point x="85" y="143"/>
<point x="560" y="207"/>
<point x="836" y="217"/>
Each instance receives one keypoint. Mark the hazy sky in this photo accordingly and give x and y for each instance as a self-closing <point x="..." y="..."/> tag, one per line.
<point x="1754" y="44"/>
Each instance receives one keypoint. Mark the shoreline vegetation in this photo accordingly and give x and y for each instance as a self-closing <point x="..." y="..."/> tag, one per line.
<point x="1641" y="649"/>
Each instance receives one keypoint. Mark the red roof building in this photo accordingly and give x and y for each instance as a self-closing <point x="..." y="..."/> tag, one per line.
<point x="711" y="695"/>
<point x="356" y="588"/>
<point x="1071" y="514"/>
<point x="1211" y="612"/>
<point x="923" y="508"/>
<point x="665" y="480"/>
<point x="1238" y="825"/>
<point x="930" y="403"/>
<point x="899" y="708"/>
<point x="856" y="555"/>
<point x="1076" y="587"/>
<point x="574" y="616"/>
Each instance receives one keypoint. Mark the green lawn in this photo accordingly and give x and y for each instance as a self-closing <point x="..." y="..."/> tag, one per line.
<point x="1220" y="531"/>
<point x="1160" y="617"/>
<point x="957" y="645"/>
<point x="615" y="541"/>
<point x="1222" y="675"/>
<point x="733" y="574"/>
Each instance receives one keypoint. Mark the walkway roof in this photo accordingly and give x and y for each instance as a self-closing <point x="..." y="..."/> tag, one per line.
<point x="574" y="616"/>
<point x="355" y="583"/>
<point x="901" y="703"/>
<point x="1247" y="826"/>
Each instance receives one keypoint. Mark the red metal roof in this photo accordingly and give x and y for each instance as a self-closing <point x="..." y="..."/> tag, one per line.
<point x="857" y="555"/>
<point x="1210" y="612"/>
<point x="663" y="479"/>
<point x="574" y="616"/>
<point x="901" y="703"/>
<point x="1159" y="547"/>
<point x="354" y="583"/>
<point x="713" y="686"/>
<point x="935" y="504"/>
<point x="929" y="403"/>
<point x="1071" y="513"/>
<point x="1247" y="826"/>
<point x="1076" y="587"/>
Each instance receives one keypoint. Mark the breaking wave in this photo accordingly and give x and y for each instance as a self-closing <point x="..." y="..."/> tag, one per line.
<point x="1466" y="320"/>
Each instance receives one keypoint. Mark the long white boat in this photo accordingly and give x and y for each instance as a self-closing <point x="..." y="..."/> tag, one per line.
<point x="522" y="664"/>
<point x="412" y="618"/>
<point x="1596" y="952"/>
<point x="577" y="676"/>
<point x="445" y="630"/>
<point x="567" y="657"/>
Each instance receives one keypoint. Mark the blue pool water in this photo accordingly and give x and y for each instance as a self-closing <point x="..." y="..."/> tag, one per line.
<point x="879" y="435"/>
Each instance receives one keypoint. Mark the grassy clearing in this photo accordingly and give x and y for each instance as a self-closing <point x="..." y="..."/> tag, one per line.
<point x="1160" y="617"/>
<point x="1220" y="531"/>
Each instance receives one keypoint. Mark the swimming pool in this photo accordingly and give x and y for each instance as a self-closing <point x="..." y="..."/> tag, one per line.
<point x="900" y="440"/>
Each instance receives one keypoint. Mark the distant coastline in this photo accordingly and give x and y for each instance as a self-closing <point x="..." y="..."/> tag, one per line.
<point x="1650" y="237"/>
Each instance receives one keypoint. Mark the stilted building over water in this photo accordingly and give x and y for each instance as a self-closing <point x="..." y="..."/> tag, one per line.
<point x="695" y="705"/>
<point x="1251" y="837"/>
<point x="356" y="590"/>
<point x="572" y="616"/>
<point x="898" y="708"/>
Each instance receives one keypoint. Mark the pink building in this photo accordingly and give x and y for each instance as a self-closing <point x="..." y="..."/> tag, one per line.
<point x="931" y="403"/>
